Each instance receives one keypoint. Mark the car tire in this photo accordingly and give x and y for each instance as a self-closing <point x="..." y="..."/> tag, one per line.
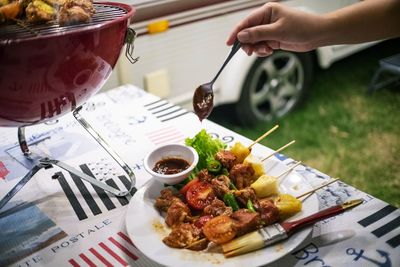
<point x="274" y="86"/>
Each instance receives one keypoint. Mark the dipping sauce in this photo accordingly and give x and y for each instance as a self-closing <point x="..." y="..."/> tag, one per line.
<point x="171" y="166"/>
<point x="203" y="102"/>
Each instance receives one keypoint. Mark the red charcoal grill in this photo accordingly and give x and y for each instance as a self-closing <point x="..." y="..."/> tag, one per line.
<point x="49" y="70"/>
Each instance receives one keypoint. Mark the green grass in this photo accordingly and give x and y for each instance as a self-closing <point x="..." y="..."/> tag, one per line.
<point x="340" y="130"/>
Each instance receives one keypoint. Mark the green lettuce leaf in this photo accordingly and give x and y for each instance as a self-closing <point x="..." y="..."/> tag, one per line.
<point x="206" y="147"/>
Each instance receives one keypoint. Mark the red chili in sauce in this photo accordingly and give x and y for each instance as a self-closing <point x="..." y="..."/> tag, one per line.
<point x="170" y="166"/>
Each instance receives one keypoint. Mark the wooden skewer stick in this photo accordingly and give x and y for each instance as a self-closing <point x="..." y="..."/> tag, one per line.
<point x="263" y="136"/>
<point x="289" y="170"/>
<point x="279" y="150"/>
<point x="319" y="187"/>
<point x="196" y="242"/>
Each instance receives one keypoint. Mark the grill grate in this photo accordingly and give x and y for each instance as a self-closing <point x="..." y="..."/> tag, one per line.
<point x="23" y="30"/>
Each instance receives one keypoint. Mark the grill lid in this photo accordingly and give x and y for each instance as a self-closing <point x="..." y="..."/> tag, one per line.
<point x="23" y="30"/>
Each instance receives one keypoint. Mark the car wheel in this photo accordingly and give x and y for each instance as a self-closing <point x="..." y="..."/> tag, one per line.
<point x="274" y="86"/>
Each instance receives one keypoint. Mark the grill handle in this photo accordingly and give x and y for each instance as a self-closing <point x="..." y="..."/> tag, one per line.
<point x="129" y="39"/>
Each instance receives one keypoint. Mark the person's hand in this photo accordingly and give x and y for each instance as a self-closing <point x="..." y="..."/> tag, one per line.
<point x="275" y="26"/>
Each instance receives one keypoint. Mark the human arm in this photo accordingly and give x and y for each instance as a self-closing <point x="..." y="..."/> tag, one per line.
<point x="276" y="26"/>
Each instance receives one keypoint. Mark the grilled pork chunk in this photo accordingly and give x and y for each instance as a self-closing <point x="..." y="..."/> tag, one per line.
<point x="164" y="201"/>
<point x="205" y="176"/>
<point x="177" y="213"/>
<point x="245" y="194"/>
<point x="246" y="221"/>
<point x="40" y="11"/>
<point x="216" y="208"/>
<point x="220" y="185"/>
<point x="242" y="175"/>
<point x="10" y="10"/>
<point x="76" y="11"/>
<point x="226" y="158"/>
<point x="182" y="236"/>
<point x="269" y="212"/>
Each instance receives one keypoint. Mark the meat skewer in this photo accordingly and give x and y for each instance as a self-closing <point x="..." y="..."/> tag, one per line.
<point x="219" y="206"/>
<point x="241" y="152"/>
<point x="279" y="231"/>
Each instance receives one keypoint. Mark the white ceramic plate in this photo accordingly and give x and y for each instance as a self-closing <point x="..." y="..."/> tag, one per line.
<point x="146" y="227"/>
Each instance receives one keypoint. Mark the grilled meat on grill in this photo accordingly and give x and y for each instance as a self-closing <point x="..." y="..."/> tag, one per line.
<point x="76" y="11"/>
<point x="10" y="10"/>
<point x="65" y="12"/>
<point x="40" y="11"/>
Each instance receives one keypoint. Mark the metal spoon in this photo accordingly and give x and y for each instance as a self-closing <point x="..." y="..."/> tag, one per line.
<point x="203" y="98"/>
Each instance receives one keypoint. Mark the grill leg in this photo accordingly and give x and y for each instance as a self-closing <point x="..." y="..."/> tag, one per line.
<point x="22" y="141"/>
<point x="46" y="162"/>
<point x="107" y="148"/>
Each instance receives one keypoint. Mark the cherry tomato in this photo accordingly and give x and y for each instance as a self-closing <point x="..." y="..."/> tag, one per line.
<point x="220" y="229"/>
<point x="200" y="195"/>
<point x="200" y="222"/>
<point x="185" y="188"/>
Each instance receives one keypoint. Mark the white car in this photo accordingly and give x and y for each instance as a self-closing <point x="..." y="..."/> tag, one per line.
<point x="181" y="44"/>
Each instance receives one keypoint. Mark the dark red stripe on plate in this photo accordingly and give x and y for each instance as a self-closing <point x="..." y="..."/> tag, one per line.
<point x="126" y="238"/>
<point x="124" y="249"/>
<point x="113" y="254"/>
<point x="87" y="260"/>
<point x="101" y="258"/>
<point x="74" y="263"/>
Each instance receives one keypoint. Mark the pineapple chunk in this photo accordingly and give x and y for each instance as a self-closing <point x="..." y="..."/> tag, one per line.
<point x="240" y="151"/>
<point x="265" y="186"/>
<point x="288" y="205"/>
<point x="256" y="163"/>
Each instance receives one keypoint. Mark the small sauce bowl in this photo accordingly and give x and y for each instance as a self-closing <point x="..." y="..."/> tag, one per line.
<point x="173" y="156"/>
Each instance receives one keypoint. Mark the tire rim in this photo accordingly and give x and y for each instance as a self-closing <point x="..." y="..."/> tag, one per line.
<point x="275" y="85"/>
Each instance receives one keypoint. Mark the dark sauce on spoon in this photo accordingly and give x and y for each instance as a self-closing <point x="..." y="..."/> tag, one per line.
<point x="203" y="101"/>
<point x="203" y="98"/>
<point x="170" y="166"/>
